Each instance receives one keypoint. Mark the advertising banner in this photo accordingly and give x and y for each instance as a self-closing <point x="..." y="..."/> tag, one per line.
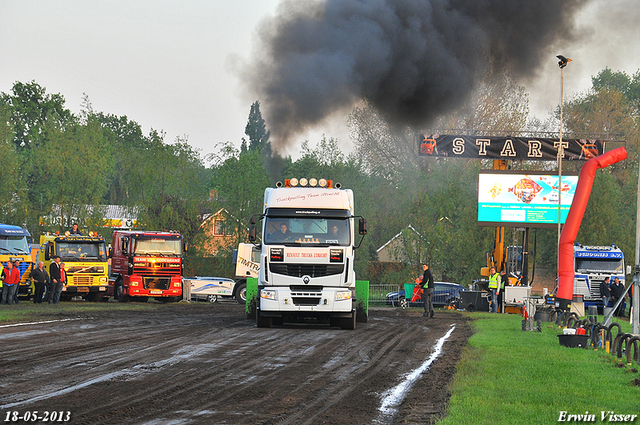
<point x="528" y="199"/>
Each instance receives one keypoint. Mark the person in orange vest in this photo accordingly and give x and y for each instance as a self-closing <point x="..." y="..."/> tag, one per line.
<point x="63" y="274"/>
<point x="16" y="265"/>
<point x="11" y="278"/>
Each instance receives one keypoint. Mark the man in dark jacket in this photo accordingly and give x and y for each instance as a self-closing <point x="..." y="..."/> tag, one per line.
<point x="40" y="281"/>
<point x="55" y="287"/>
<point x="617" y="292"/>
<point x="605" y="292"/>
<point x="427" y="286"/>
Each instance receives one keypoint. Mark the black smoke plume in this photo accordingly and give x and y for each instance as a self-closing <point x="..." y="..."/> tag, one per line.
<point x="412" y="59"/>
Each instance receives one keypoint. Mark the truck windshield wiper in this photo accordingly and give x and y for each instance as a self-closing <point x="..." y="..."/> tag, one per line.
<point x="63" y="258"/>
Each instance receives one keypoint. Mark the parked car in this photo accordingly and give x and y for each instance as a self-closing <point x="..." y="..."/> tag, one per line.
<point x="444" y="293"/>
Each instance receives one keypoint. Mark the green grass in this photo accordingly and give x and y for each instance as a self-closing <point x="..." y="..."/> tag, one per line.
<point x="510" y="376"/>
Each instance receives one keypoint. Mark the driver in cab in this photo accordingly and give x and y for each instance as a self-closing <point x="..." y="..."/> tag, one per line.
<point x="282" y="234"/>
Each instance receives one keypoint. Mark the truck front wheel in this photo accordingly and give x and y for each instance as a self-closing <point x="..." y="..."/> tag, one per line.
<point x="262" y="322"/>
<point x="348" y="324"/>
<point x="241" y="293"/>
<point x="119" y="292"/>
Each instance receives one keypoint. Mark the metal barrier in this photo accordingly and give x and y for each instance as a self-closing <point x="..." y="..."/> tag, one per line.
<point x="378" y="292"/>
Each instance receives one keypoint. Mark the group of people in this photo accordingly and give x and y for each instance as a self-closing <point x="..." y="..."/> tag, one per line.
<point x="54" y="280"/>
<point x="612" y="292"/>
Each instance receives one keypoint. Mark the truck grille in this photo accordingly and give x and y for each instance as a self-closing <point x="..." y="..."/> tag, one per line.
<point x="156" y="282"/>
<point x="306" y="295"/>
<point x="313" y="270"/>
<point x="82" y="280"/>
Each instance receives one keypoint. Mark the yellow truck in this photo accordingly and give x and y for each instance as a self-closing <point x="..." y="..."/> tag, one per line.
<point x="85" y="259"/>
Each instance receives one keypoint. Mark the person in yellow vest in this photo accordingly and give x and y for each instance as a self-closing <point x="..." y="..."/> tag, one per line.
<point x="494" y="287"/>
<point x="427" y="286"/>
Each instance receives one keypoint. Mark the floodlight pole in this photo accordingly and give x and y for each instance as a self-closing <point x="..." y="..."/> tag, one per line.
<point x="560" y="156"/>
<point x="634" y="315"/>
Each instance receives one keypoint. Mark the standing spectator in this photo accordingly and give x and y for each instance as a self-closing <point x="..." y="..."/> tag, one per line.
<point x="494" y="287"/>
<point x="40" y="280"/>
<point x="55" y="288"/>
<point x="504" y="281"/>
<point x="11" y="278"/>
<point x="63" y="274"/>
<point x="16" y="265"/>
<point x="427" y="286"/>
<point x="605" y="292"/>
<point x="617" y="292"/>
<point x="75" y="230"/>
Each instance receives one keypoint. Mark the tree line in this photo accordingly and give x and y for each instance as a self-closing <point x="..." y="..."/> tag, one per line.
<point x="53" y="157"/>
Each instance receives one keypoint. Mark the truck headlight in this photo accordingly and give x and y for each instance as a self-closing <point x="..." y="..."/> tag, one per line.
<point x="343" y="295"/>
<point x="268" y="294"/>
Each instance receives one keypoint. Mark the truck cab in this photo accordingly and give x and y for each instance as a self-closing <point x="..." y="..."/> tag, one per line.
<point x="146" y="264"/>
<point x="85" y="259"/>
<point x="592" y="264"/>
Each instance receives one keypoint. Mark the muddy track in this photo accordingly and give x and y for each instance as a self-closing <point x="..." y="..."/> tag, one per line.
<point x="202" y="363"/>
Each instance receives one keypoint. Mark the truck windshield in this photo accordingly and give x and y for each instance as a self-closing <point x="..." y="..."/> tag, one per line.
<point x="307" y="231"/>
<point x="167" y="247"/>
<point x="605" y="265"/>
<point x="82" y="251"/>
<point x="14" y="245"/>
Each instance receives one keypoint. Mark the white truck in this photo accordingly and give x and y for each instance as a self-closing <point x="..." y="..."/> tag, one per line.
<point x="592" y="264"/>
<point x="306" y="261"/>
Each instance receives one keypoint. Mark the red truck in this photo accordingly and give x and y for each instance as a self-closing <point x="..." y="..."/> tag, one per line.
<point x="146" y="264"/>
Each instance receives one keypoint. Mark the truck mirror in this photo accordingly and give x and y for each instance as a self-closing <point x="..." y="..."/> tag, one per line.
<point x="362" y="226"/>
<point x="253" y="220"/>
<point x="185" y="246"/>
<point x="47" y="252"/>
<point x="110" y="252"/>
<point x="252" y="231"/>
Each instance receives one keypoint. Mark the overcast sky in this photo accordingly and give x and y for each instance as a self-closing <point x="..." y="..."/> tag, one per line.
<point x="173" y="66"/>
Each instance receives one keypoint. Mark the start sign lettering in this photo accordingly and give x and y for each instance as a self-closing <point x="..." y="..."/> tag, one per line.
<point x="513" y="148"/>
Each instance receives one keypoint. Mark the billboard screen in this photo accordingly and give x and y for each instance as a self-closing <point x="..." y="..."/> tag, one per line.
<point x="521" y="198"/>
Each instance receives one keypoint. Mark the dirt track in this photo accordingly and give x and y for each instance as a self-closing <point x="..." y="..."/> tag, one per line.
<point x="207" y="364"/>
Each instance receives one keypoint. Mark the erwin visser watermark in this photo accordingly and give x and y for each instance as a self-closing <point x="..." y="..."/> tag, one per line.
<point x="604" y="416"/>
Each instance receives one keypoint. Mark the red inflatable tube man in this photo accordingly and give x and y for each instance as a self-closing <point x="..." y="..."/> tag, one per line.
<point x="574" y="219"/>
